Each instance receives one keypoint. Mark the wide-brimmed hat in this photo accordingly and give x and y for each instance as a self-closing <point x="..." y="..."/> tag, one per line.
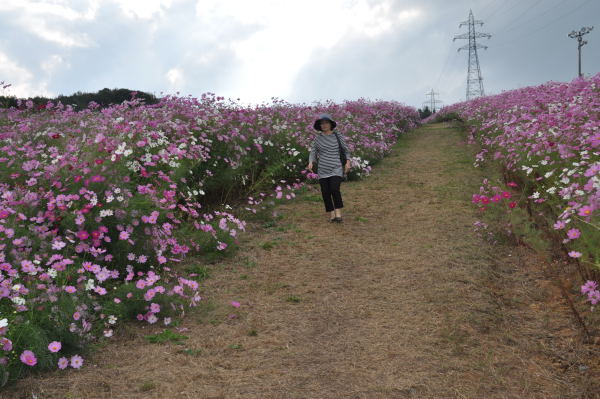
<point x="317" y="124"/>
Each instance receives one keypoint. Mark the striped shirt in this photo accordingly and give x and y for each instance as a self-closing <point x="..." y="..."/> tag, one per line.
<point x="325" y="149"/>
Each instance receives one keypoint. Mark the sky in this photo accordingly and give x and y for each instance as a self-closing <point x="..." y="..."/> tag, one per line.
<point x="299" y="51"/>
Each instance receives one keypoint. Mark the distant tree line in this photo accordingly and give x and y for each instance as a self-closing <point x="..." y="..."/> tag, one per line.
<point x="81" y="100"/>
<point x="425" y="112"/>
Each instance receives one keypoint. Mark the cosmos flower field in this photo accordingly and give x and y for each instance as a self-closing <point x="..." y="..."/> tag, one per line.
<point x="548" y="138"/>
<point x="103" y="211"/>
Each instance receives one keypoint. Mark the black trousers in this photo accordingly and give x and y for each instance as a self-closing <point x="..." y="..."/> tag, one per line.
<point x="330" y="189"/>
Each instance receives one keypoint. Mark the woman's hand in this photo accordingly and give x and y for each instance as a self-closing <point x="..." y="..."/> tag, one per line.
<point x="347" y="169"/>
<point x="310" y="166"/>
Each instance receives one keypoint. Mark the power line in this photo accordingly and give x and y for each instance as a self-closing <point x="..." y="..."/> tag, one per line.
<point x="514" y="20"/>
<point x="528" y="33"/>
<point x="505" y="11"/>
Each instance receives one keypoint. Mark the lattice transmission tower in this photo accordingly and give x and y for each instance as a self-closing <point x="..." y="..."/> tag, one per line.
<point x="474" y="79"/>
<point x="432" y="102"/>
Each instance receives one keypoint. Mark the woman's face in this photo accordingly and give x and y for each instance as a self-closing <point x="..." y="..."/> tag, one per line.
<point x="325" y="125"/>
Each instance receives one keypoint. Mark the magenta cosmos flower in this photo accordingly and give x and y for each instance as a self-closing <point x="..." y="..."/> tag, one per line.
<point x="28" y="357"/>
<point x="83" y="235"/>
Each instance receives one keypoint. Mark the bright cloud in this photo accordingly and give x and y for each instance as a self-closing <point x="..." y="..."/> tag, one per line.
<point x="21" y="79"/>
<point x="292" y="33"/>
<point x="144" y="9"/>
<point x="175" y="78"/>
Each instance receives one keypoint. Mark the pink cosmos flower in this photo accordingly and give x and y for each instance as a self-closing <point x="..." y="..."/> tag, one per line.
<point x="83" y="235"/>
<point x="149" y="294"/>
<point x="155" y="308"/>
<point x="559" y="225"/>
<point x="6" y="344"/>
<point x="63" y="362"/>
<point x="76" y="316"/>
<point x="585" y="210"/>
<point x="575" y="254"/>
<point x="28" y="357"/>
<point x="221" y="246"/>
<point x="235" y="304"/>
<point x="54" y="346"/>
<point x="70" y="289"/>
<point x="589" y="286"/>
<point x="123" y="235"/>
<point x="76" y="361"/>
<point x="152" y="318"/>
<point x="594" y="296"/>
<point x="573" y="234"/>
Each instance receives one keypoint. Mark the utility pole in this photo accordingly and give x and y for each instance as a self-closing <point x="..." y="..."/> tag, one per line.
<point x="432" y="100"/>
<point x="474" y="79"/>
<point x="580" y="42"/>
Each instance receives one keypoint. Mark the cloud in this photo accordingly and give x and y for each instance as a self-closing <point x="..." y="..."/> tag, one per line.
<point x="299" y="51"/>
<point x="45" y="20"/>
<point x="54" y="63"/>
<point x="144" y="9"/>
<point x="20" y="78"/>
<point x="175" y="78"/>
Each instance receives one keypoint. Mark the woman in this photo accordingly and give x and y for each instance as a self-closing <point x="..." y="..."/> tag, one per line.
<point x="326" y="150"/>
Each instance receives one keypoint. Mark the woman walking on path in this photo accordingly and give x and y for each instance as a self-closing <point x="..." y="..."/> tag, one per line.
<point x="327" y="148"/>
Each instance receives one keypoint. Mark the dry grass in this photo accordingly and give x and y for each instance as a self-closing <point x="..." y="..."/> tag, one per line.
<point x="402" y="300"/>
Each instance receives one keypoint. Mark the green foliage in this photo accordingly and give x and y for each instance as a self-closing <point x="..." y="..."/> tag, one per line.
<point x="80" y="100"/>
<point x="293" y="299"/>
<point x="166" y="336"/>
<point x="425" y="112"/>
<point x="201" y="272"/>
<point x="192" y="352"/>
<point x="446" y="117"/>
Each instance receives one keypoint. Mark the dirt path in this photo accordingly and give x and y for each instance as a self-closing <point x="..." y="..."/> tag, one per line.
<point x="403" y="300"/>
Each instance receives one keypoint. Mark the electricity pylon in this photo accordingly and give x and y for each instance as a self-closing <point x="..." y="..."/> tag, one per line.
<point x="474" y="79"/>
<point x="432" y="100"/>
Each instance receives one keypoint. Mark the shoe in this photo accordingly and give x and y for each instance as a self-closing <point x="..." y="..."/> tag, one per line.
<point x="337" y="219"/>
<point x="332" y="220"/>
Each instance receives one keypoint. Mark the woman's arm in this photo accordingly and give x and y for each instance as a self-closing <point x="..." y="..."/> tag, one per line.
<point x="313" y="154"/>
<point x="346" y="150"/>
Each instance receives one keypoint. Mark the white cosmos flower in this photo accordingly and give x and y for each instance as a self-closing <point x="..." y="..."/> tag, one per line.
<point x="89" y="284"/>
<point x="18" y="300"/>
